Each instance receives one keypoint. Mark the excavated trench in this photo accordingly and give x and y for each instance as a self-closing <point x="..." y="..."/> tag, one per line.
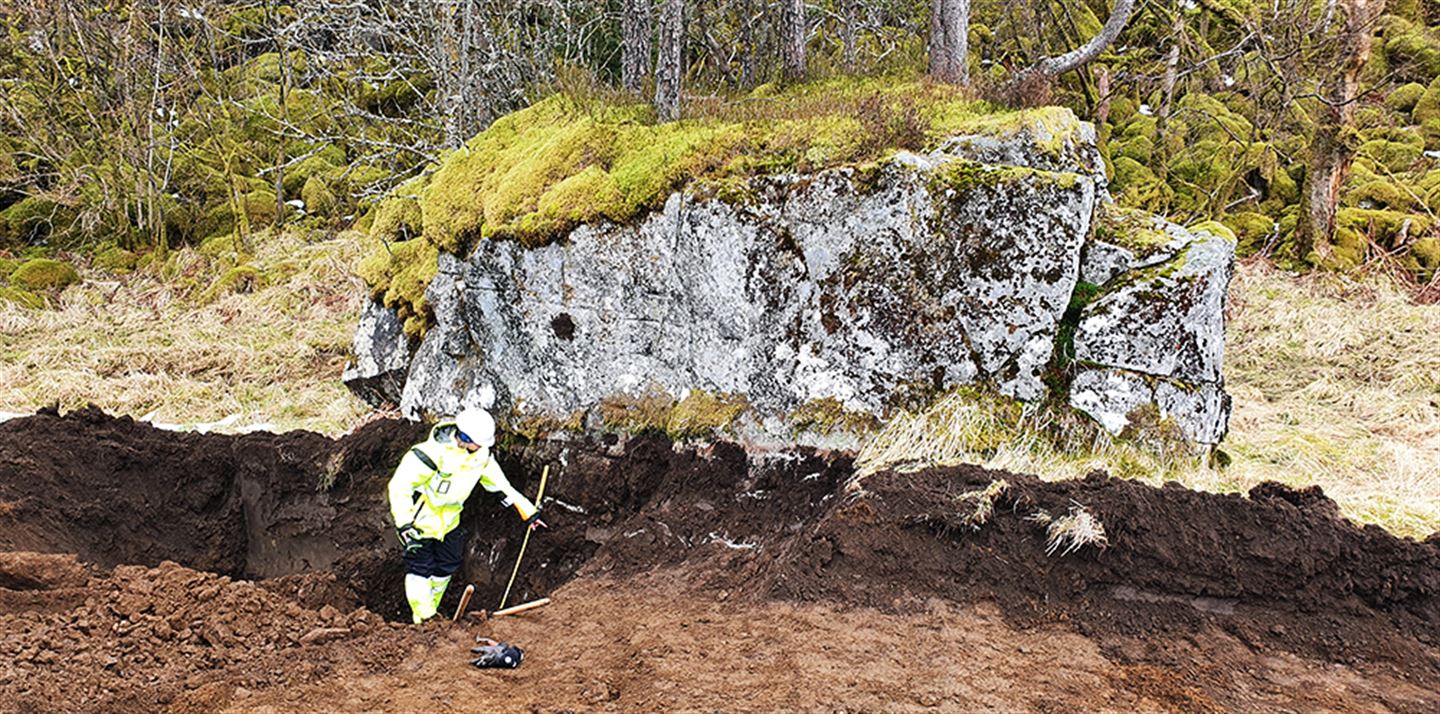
<point x="1279" y="569"/>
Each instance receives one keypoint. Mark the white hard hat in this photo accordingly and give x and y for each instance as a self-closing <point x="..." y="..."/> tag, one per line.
<point x="476" y="425"/>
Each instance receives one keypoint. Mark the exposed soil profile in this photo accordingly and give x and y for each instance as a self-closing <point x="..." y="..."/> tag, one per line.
<point x="145" y="570"/>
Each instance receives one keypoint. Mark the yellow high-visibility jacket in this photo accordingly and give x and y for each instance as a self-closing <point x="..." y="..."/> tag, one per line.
<point x="433" y="498"/>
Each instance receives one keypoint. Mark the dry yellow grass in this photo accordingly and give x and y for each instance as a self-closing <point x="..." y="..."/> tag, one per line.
<point x="1336" y="383"/>
<point x="160" y="340"/>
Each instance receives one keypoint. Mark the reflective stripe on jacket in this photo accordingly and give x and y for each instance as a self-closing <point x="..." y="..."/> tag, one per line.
<point x="432" y="499"/>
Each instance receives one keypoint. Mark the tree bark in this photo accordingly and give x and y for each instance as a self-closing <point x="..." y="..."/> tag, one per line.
<point x="950" y="41"/>
<point x="792" y="34"/>
<point x="1102" y="91"/>
<point x="636" y="33"/>
<point x="849" y="33"/>
<point x="1332" y="149"/>
<point x="667" y="66"/>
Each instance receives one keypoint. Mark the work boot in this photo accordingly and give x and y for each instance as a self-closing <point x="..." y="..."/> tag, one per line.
<point x="421" y="598"/>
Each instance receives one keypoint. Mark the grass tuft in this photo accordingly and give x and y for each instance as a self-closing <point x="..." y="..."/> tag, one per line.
<point x="1072" y="531"/>
<point x="984" y="502"/>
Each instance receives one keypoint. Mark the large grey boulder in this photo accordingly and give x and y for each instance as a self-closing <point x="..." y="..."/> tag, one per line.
<point x="855" y="291"/>
<point x="824" y="288"/>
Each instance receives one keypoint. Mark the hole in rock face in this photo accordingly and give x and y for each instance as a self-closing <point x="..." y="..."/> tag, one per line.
<point x="564" y="326"/>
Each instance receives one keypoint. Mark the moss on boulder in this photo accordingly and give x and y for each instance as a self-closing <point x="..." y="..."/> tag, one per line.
<point x="23" y="298"/>
<point x="1430" y="133"/>
<point x="1381" y="193"/>
<point x="1397" y="152"/>
<point x="33" y="219"/>
<point x="1424" y="257"/>
<point x="116" y="260"/>
<point x="243" y="278"/>
<point x="399" y="216"/>
<point x="1410" y="50"/>
<point x="319" y="199"/>
<point x="1428" y="106"/>
<point x="1405" y="97"/>
<point x="702" y="414"/>
<point x="398" y="273"/>
<point x="44" y="274"/>
<point x="1136" y="185"/>
<point x="1252" y="230"/>
<point x="535" y="174"/>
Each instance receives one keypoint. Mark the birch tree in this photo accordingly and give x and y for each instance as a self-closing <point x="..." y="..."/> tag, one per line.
<point x="636" y="47"/>
<point x="669" y="59"/>
<point x="950" y="41"/>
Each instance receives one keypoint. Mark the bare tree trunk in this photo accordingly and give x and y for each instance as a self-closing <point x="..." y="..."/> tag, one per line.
<point x="950" y="41"/>
<point x="671" y="55"/>
<point x="280" y="157"/>
<point x="1082" y="55"/>
<point x="1167" y="95"/>
<point x="1330" y="153"/>
<point x="636" y="31"/>
<point x="1172" y="73"/>
<point x="1102" y="90"/>
<point x="792" y="34"/>
<point x="750" y="65"/>
<point x="849" y="33"/>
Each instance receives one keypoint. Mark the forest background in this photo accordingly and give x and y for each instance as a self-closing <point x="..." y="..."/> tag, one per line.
<point x="1310" y="127"/>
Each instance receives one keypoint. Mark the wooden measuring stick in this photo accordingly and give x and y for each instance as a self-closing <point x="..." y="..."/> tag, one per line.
<point x="538" y="497"/>
<point x="522" y="608"/>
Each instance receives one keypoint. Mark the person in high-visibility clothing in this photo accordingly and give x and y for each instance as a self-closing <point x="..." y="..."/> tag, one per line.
<point x="427" y="494"/>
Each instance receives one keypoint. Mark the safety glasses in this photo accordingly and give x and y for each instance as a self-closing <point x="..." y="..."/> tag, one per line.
<point x="464" y="439"/>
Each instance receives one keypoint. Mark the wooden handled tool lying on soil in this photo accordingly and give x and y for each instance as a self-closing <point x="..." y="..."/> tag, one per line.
<point x="515" y="610"/>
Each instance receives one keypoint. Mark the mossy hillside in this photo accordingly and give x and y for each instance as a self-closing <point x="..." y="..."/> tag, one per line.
<point x="1212" y="162"/>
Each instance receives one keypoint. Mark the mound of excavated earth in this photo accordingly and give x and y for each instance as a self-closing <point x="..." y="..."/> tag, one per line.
<point x="144" y="570"/>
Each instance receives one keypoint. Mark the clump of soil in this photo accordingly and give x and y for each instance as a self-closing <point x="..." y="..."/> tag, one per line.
<point x="141" y="624"/>
<point x="133" y="560"/>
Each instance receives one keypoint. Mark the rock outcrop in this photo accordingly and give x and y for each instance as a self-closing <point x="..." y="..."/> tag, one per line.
<point x="859" y="290"/>
<point x="381" y="358"/>
<point x="1156" y="336"/>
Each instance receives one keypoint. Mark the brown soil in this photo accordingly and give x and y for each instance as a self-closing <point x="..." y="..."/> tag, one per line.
<point x="143" y="570"/>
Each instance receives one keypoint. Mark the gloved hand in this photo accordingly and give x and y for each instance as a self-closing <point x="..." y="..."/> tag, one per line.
<point x="409" y="537"/>
<point x="534" y="522"/>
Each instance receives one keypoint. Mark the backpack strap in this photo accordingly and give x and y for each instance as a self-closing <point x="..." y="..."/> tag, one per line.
<point x="424" y="458"/>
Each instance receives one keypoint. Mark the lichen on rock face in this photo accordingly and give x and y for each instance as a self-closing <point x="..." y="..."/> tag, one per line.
<point x="381" y="356"/>
<point x="1158" y="337"/>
